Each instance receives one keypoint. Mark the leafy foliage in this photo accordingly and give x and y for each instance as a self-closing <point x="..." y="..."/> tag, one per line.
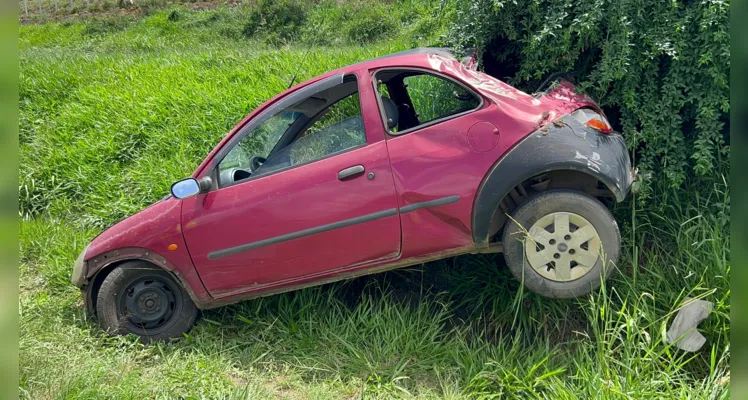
<point x="659" y="69"/>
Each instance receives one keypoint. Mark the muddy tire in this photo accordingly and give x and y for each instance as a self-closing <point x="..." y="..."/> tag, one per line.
<point x="562" y="243"/>
<point x="145" y="300"/>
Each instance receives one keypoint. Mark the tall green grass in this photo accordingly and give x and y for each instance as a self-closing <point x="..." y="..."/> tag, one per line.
<point x="111" y="115"/>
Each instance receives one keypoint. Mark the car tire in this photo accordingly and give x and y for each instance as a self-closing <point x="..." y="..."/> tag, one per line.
<point x="562" y="227"/>
<point x="140" y="298"/>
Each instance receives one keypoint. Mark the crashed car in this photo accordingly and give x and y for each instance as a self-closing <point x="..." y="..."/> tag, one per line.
<point x="391" y="162"/>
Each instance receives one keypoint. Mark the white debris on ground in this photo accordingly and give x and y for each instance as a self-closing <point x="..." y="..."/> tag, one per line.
<point x="682" y="332"/>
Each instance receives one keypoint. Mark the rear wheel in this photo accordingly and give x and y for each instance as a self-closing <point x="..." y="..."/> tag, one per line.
<point x="145" y="300"/>
<point x="562" y="243"/>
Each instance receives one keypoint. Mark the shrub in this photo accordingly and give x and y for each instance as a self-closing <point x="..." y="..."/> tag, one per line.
<point x="174" y="15"/>
<point x="371" y="23"/>
<point x="279" y="20"/>
<point x="659" y="69"/>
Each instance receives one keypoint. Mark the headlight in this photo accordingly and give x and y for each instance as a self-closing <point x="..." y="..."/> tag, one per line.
<point x="79" y="270"/>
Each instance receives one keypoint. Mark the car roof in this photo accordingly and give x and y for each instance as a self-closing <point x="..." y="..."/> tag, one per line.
<point x="401" y="58"/>
<point x="406" y="57"/>
<point x="440" y="51"/>
<point x="398" y="58"/>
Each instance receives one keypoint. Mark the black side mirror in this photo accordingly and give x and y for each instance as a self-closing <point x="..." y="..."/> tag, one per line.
<point x="205" y="184"/>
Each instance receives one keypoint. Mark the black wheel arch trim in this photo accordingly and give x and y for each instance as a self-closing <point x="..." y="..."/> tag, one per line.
<point x="105" y="262"/>
<point x="563" y="144"/>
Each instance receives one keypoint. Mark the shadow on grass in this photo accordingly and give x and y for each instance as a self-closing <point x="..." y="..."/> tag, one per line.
<point x="463" y="322"/>
<point x="453" y="315"/>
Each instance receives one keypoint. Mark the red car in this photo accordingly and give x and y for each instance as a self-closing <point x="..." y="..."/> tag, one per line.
<point x="383" y="164"/>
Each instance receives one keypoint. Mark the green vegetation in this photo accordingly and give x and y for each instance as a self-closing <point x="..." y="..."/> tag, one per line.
<point x="659" y="68"/>
<point x="113" y="110"/>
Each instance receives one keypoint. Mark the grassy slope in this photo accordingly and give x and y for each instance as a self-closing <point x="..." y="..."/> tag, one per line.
<point x="112" y="113"/>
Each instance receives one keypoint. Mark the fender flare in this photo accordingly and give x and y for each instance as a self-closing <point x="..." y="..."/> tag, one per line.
<point x="104" y="261"/>
<point x="563" y="144"/>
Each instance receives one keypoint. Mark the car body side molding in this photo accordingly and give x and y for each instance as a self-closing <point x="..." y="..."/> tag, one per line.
<point x="431" y="203"/>
<point x="335" y="225"/>
<point x="306" y="232"/>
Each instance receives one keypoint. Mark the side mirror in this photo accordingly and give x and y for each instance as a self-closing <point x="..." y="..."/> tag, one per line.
<point x="189" y="187"/>
<point x="185" y="188"/>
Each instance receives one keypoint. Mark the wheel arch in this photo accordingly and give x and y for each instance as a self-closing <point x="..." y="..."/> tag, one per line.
<point x="101" y="265"/>
<point x="598" y="163"/>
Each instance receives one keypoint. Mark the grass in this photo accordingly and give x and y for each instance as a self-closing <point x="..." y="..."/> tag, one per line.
<point x="113" y="111"/>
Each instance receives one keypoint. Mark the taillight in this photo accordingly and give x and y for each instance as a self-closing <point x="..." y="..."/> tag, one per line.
<point x="592" y="119"/>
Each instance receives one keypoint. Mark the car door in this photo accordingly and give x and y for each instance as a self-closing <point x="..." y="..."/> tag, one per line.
<point x="436" y="163"/>
<point x="323" y="199"/>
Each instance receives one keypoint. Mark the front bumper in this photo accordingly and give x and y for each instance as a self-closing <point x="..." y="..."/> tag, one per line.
<point x="79" y="270"/>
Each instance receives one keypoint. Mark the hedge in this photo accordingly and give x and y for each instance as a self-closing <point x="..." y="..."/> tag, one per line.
<point x="660" y="70"/>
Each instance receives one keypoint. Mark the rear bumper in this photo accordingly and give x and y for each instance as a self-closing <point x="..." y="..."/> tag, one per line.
<point x="608" y="160"/>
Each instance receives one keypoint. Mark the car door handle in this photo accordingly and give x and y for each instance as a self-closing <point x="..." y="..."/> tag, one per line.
<point x="350" y="171"/>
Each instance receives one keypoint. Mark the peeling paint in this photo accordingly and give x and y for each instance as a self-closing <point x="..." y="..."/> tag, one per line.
<point x="593" y="161"/>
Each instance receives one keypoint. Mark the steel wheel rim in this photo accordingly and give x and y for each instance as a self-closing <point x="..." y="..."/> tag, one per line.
<point x="148" y="303"/>
<point x="562" y="246"/>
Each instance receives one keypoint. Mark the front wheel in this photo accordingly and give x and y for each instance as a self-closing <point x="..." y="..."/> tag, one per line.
<point x="562" y="243"/>
<point x="145" y="300"/>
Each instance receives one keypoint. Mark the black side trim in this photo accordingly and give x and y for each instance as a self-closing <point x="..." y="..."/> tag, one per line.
<point x="300" y="234"/>
<point x="431" y="203"/>
<point x="564" y="144"/>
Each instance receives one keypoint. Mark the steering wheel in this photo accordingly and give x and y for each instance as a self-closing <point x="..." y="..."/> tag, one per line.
<point x="256" y="162"/>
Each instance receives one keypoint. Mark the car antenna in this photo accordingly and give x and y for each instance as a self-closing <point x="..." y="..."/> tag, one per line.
<point x="299" y="67"/>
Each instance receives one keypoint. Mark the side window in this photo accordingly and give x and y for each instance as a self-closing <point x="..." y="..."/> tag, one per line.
<point x="411" y="98"/>
<point x="259" y="142"/>
<point x="314" y="127"/>
<point x="338" y="128"/>
<point x="435" y="97"/>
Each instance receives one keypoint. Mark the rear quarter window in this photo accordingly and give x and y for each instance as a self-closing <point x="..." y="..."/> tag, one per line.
<point x="435" y="97"/>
